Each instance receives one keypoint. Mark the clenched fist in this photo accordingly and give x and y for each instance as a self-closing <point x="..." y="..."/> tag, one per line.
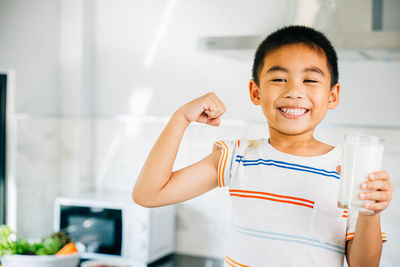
<point x="205" y="109"/>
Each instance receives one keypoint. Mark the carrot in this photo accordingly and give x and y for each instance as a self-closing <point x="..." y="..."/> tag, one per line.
<point x="67" y="249"/>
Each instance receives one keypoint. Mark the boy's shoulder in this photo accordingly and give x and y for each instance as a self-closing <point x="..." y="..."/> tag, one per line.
<point x="241" y="144"/>
<point x="261" y="145"/>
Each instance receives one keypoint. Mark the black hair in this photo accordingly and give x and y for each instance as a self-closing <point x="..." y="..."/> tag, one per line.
<point x="295" y="34"/>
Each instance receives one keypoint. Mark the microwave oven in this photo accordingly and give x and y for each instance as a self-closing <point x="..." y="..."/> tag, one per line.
<point x="112" y="225"/>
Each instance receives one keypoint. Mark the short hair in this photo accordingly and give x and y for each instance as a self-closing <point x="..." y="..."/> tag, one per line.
<point x="296" y="34"/>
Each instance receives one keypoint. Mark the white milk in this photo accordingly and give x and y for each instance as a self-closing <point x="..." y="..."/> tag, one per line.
<point x="362" y="155"/>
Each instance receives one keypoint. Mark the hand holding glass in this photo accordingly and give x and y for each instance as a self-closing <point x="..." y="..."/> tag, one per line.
<point x="362" y="154"/>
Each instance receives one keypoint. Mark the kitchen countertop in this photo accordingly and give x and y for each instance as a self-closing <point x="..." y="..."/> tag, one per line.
<point x="180" y="260"/>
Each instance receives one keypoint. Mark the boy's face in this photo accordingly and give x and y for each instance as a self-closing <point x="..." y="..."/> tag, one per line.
<point x="294" y="89"/>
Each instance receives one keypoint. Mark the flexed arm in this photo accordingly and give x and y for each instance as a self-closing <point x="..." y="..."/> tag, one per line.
<point x="157" y="185"/>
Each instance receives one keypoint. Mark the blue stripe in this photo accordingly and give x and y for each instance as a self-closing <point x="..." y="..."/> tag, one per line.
<point x="273" y="163"/>
<point x="291" y="240"/>
<point x="287" y="163"/>
<point x="287" y="235"/>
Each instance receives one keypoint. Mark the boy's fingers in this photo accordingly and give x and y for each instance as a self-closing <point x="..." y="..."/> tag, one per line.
<point x="212" y="109"/>
<point x="376" y="196"/>
<point x="203" y="118"/>
<point x="377" y="185"/>
<point x="214" y="122"/>
<point x="218" y="108"/>
<point x="380" y="175"/>
<point x="218" y="103"/>
<point x="378" y="206"/>
<point x="211" y="112"/>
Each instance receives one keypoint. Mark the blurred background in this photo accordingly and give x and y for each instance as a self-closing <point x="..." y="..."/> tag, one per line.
<point x="96" y="81"/>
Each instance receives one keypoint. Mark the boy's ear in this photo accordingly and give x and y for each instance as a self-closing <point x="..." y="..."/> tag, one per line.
<point x="254" y="92"/>
<point x="334" y="96"/>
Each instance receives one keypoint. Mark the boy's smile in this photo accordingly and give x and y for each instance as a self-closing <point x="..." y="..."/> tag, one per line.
<point x="294" y="89"/>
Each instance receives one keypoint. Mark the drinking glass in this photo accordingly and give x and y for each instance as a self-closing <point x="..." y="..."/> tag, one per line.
<point x="362" y="154"/>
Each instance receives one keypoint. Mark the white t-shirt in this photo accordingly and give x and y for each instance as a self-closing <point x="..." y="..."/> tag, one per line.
<point x="283" y="207"/>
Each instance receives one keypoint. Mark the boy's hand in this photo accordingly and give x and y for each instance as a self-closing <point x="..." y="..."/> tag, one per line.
<point x="379" y="190"/>
<point x="205" y="109"/>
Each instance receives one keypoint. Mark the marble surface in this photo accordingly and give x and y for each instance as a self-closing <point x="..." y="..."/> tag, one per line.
<point x="180" y="260"/>
<point x="65" y="155"/>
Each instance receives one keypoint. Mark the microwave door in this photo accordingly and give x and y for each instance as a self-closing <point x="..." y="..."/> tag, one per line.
<point x="95" y="230"/>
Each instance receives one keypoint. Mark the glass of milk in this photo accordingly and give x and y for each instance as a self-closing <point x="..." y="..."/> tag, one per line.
<point x="362" y="154"/>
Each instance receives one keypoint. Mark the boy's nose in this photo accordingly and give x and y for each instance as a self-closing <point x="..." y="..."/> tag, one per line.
<point x="294" y="91"/>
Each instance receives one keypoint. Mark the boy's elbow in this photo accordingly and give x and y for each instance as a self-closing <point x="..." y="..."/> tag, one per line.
<point x="136" y="199"/>
<point x="141" y="201"/>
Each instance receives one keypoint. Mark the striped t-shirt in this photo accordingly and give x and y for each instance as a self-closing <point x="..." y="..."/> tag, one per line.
<point x="283" y="207"/>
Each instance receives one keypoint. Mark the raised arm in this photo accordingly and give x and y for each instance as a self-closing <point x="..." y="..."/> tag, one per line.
<point x="157" y="185"/>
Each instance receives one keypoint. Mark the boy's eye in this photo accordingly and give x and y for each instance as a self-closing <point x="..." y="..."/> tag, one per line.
<point x="279" y="80"/>
<point x="310" y="81"/>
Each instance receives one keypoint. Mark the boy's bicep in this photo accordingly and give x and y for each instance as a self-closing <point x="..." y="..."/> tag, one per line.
<point x="191" y="181"/>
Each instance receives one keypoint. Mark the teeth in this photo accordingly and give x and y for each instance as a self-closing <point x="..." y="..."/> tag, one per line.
<point x="296" y="111"/>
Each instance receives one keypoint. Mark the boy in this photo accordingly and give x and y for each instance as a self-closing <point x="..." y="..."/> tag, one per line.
<point x="283" y="189"/>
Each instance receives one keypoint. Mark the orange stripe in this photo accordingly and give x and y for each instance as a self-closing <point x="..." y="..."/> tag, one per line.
<point x="236" y="262"/>
<point x="230" y="263"/>
<point x="270" y="194"/>
<point x="238" y="143"/>
<point x="345" y="216"/>
<point x="351" y="236"/>
<point x="219" y="165"/>
<point x="223" y="169"/>
<point x="346" y="211"/>
<point x="272" y="199"/>
<point x="352" y="233"/>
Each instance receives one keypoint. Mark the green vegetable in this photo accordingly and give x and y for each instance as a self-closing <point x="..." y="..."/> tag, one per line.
<point x="10" y="244"/>
<point x="52" y="244"/>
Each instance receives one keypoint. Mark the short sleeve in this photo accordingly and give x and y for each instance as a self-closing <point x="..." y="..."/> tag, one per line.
<point x="351" y="226"/>
<point x="226" y="160"/>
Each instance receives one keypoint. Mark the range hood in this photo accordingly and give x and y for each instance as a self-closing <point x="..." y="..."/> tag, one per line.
<point x="359" y="29"/>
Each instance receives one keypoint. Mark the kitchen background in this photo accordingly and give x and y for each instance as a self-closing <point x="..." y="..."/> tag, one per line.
<point x="98" y="79"/>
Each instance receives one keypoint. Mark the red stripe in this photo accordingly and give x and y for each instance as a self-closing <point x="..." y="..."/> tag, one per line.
<point x="273" y="199"/>
<point x="270" y="194"/>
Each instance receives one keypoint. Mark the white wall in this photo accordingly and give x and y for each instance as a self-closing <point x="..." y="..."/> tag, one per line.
<point x="29" y="44"/>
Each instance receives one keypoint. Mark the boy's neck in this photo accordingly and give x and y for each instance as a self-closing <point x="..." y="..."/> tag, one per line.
<point x="300" y="145"/>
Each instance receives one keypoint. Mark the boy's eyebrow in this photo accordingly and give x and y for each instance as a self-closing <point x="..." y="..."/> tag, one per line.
<point x="276" y="68"/>
<point x="315" y="69"/>
<point x="310" y="69"/>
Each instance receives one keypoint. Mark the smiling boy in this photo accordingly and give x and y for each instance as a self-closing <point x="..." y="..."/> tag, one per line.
<point x="284" y="188"/>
